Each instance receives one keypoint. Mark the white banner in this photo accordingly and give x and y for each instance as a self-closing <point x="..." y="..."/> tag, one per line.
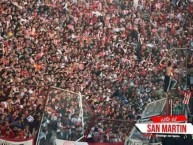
<point x="64" y="142"/>
<point x="165" y="128"/>
<point x="4" y="141"/>
<point x="130" y="141"/>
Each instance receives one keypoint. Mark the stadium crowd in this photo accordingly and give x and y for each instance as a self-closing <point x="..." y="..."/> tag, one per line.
<point x="21" y="109"/>
<point x="112" y="52"/>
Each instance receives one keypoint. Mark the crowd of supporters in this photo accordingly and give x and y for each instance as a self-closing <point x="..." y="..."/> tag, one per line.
<point x="21" y="110"/>
<point x="113" y="52"/>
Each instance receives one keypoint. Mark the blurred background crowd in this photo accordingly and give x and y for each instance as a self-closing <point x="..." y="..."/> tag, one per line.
<point x="112" y="51"/>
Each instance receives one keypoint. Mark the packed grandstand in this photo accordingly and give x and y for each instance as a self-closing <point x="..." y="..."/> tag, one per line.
<point x="106" y="59"/>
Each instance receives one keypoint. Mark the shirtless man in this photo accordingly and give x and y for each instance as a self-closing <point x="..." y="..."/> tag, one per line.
<point x="169" y="82"/>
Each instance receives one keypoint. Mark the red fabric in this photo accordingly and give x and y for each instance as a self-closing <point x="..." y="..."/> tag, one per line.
<point x="177" y="118"/>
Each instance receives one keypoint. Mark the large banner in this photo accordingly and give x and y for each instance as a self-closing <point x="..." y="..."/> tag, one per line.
<point x="6" y="141"/>
<point x="62" y="142"/>
<point x="30" y="141"/>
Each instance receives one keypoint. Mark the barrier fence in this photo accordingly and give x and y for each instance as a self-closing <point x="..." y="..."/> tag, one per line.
<point x="66" y="117"/>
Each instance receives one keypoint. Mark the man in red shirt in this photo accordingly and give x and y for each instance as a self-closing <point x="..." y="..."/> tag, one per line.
<point x="9" y="133"/>
<point x="187" y="94"/>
